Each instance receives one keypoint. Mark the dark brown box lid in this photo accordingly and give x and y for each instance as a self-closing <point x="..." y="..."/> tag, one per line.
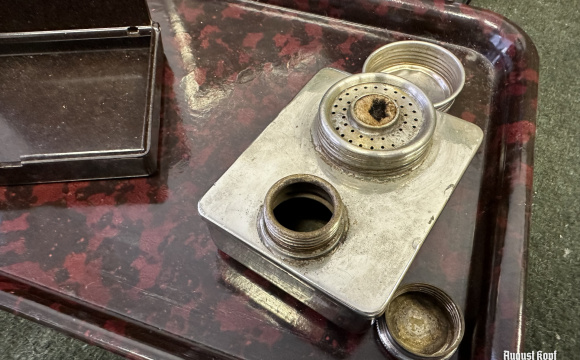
<point x="51" y="15"/>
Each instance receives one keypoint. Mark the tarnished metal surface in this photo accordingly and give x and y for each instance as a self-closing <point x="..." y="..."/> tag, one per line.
<point x="133" y="256"/>
<point x="293" y="219"/>
<point x="421" y="321"/>
<point x="433" y="68"/>
<point x="388" y="221"/>
<point x="390" y="136"/>
<point x="375" y="111"/>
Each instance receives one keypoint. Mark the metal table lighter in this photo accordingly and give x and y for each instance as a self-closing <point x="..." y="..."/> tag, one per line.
<point x="333" y="200"/>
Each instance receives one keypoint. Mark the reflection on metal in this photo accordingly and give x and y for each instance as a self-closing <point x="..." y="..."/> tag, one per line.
<point x="275" y="306"/>
<point x="284" y="310"/>
<point x="388" y="218"/>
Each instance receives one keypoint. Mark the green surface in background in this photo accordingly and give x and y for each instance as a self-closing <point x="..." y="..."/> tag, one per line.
<point x="553" y="288"/>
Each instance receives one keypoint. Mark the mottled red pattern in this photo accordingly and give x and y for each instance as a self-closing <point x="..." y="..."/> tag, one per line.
<point x="122" y="260"/>
<point x="518" y="133"/>
<point x="251" y="40"/>
<point x="17" y="224"/>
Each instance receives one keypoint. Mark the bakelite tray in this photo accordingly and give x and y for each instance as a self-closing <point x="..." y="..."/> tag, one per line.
<point x="129" y="264"/>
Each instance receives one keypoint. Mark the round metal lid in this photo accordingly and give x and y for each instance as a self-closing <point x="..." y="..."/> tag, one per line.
<point x="374" y="124"/>
<point x="431" y="67"/>
<point x="421" y="322"/>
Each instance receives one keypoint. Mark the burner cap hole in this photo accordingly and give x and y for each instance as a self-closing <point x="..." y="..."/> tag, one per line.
<point x="378" y="109"/>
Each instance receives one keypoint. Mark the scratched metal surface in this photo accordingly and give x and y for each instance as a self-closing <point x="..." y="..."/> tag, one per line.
<point x="388" y="220"/>
<point x="133" y="260"/>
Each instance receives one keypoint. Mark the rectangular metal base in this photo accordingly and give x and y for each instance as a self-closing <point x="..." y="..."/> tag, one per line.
<point x="388" y="220"/>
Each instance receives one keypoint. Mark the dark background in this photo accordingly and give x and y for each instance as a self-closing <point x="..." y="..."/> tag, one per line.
<point x="553" y="287"/>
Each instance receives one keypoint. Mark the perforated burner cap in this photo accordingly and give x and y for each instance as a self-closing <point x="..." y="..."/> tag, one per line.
<point x="374" y="124"/>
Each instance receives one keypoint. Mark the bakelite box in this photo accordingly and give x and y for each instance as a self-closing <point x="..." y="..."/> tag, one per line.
<point x="80" y="86"/>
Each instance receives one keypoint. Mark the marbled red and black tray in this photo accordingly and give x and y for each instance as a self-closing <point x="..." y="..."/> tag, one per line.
<point x="129" y="264"/>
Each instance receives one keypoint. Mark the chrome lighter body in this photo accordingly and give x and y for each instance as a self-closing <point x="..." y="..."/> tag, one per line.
<point x="389" y="217"/>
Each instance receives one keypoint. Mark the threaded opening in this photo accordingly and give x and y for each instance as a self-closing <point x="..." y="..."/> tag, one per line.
<point x="302" y="217"/>
<point x="302" y="214"/>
